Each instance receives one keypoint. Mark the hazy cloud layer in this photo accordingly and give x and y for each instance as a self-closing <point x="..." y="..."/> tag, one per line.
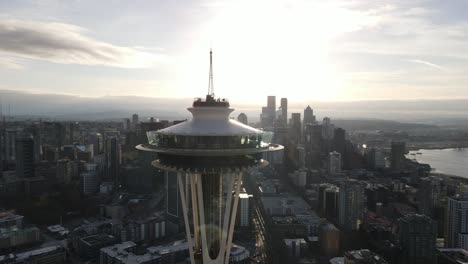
<point x="67" y="44"/>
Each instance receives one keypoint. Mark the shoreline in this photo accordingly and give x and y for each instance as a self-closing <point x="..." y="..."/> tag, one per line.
<point x="430" y="146"/>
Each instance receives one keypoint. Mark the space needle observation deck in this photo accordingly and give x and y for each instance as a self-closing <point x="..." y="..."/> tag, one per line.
<point x="214" y="151"/>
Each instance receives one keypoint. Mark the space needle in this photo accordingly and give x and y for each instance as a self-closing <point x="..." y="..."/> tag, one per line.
<point x="213" y="152"/>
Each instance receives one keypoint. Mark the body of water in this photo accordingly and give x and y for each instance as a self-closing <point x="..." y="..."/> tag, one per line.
<point x="447" y="161"/>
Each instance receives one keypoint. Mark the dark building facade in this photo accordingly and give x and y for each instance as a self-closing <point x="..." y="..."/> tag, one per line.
<point x="25" y="157"/>
<point x="417" y="238"/>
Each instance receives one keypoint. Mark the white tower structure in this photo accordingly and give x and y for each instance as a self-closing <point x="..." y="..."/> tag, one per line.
<point x="211" y="149"/>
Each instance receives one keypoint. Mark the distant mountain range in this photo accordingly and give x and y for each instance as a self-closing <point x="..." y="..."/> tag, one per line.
<point x="59" y="107"/>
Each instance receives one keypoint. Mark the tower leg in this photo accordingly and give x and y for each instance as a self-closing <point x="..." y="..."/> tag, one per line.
<point x="185" y="211"/>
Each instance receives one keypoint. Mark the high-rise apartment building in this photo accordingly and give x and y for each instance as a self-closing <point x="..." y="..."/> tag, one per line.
<point x="334" y="162"/>
<point x="351" y="204"/>
<point x="417" y="238"/>
<point x="430" y="194"/>
<point x="457" y="236"/>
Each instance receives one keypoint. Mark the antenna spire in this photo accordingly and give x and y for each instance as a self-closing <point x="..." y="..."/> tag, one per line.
<point x="210" y="81"/>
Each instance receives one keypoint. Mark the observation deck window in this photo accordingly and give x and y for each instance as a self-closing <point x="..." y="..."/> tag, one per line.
<point x="206" y="142"/>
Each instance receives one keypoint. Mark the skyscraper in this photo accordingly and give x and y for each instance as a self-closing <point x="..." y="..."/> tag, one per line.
<point x="351" y="204"/>
<point x="309" y="117"/>
<point x="96" y="140"/>
<point x="244" y="210"/>
<point x="271" y="104"/>
<point x="430" y="193"/>
<point x="328" y="129"/>
<point x="113" y="160"/>
<point x="457" y="236"/>
<point x="296" y="128"/>
<point x="284" y="111"/>
<point x="313" y="146"/>
<point x="268" y="116"/>
<point x="397" y="161"/>
<point x="334" y="162"/>
<point x="417" y="237"/>
<point x="24" y="157"/>
<point x="135" y="119"/>
<point x="339" y="141"/>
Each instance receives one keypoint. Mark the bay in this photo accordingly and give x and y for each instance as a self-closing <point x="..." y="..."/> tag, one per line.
<point x="452" y="161"/>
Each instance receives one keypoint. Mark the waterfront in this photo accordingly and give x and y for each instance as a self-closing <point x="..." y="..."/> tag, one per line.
<point x="452" y="161"/>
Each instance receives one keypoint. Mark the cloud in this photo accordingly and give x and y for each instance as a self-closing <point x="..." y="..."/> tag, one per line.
<point x="10" y="63"/>
<point x="426" y="63"/>
<point x="67" y="44"/>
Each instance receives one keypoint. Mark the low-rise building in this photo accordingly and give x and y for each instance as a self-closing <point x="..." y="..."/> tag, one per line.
<point x="363" y="256"/>
<point x="49" y="255"/>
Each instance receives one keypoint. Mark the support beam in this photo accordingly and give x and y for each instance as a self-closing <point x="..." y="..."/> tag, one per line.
<point x="233" y="217"/>
<point x="184" y="208"/>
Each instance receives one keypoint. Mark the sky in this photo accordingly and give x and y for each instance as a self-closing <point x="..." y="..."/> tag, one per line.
<point x="335" y="50"/>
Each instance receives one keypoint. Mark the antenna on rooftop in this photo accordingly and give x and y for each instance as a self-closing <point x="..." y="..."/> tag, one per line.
<point x="210" y="81"/>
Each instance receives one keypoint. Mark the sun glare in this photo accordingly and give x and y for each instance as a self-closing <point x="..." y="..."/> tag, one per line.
<point x="271" y="47"/>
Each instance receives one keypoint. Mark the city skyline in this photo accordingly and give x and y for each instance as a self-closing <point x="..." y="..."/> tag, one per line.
<point x="391" y="50"/>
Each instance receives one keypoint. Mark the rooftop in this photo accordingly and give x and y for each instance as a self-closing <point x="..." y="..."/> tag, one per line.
<point x="364" y="256"/>
<point x="457" y="255"/>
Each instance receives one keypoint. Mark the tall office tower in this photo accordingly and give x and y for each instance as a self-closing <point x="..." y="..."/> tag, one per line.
<point x="328" y="200"/>
<point x="244" y="210"/>
<point x="25" y="156"/>
<point x="284" y="111"/>
<point x="113" y="160"/>
<point x="296" y="128"/>
<point x="271" y="104"/>
<point x="457" y="236"/>
<point x="96" y="140"/>
<point x="134" y="119"/>
<point x="211" y="149"/>
<point x="328" y="133"/>
<point x="268" y="116"/>
<point x="126" y="124"/>
<point x="328" y="129"/>
<point x="430" y="194"/>
<point x="334" y="162"/>
<point x="313" y="146"/>
<point x="89" y="179"/>
<point x="243" y="118"/>
<point x="339" y="140"/>
<point x="351" y="204"/>
<point x="397" y="161"/>
<point x="417" y="237"/>
<point x="375" y="159"/>
<point x="309" y="117"/>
